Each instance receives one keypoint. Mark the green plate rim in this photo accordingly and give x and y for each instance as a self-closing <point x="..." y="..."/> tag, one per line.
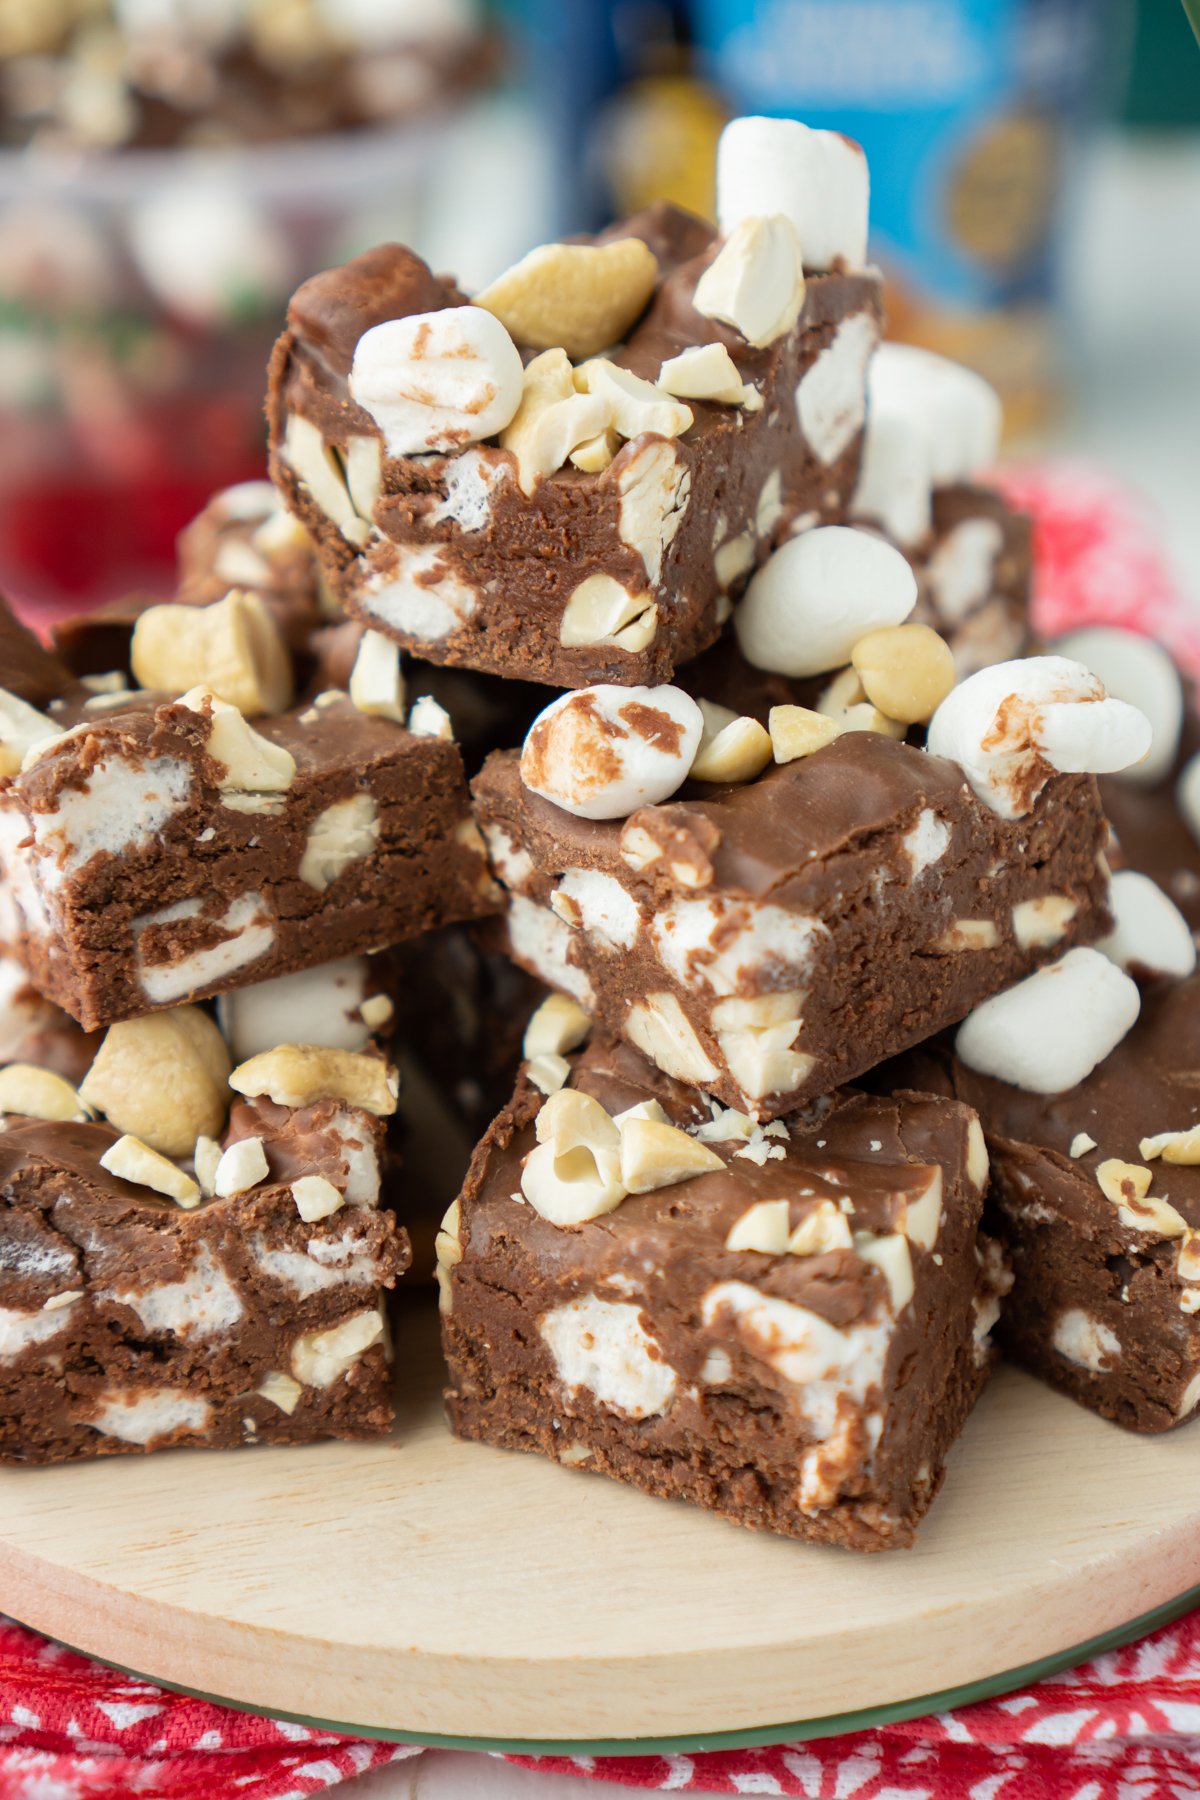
<point x="751" y="1737"/>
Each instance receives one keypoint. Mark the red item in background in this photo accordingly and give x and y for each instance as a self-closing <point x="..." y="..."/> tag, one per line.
<point x="1126" y="1727"/>
<point x="1097" y="559"/>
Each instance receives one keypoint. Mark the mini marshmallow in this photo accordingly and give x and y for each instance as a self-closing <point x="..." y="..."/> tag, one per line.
<point x="1136" y="669"/>
<point x="601" y="752"/>
<point x="1011" y="726"/>
<point x="1150" y="933"/>
<point x="817" y="179"/>
<point x="1187" y="796"/>
<point x="313" y="1006"/>
<point x="817" y="595"/>
<point x="756" y="280"/>
<point x="930" y="422"/>
<point x="438" y="381"/>
<point x="1048" y="1032"/>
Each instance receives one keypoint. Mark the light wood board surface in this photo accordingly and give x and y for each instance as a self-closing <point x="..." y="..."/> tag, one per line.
<point x="424" y="1585"/>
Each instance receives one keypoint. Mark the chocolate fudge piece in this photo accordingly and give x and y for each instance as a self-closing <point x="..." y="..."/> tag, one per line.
<point x="1101" y="1222"/>
<point x="974" y="574"/>
<point x="813" y="1390"/>
<point x="128" y="1323"/>
<point x="161" y="851"/>
<point x="28" y="670"/>
<point x="1151" y="830"/>
<point x="615" y="571"/>
<point x="771" y="940"/>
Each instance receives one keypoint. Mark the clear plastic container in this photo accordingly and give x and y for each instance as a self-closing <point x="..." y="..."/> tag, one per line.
<point x="139" y="297"/>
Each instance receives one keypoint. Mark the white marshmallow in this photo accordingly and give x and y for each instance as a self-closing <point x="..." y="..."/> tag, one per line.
<point x="1012" y="725"/>
<point x="1136" y="669"/>
<point x="438" y="381"/>
<point x="1187" y="796"/>
<point x="602" y="752"/>
<point x="831" y="396"/>
<point x="818" y="179"/>
<point x="1048" y="1032"/>
<point x="756" y="281"/>
<point x="929" y="422"/>
<point x="313" y="1006"/>
<point x="1150" y="932"/>
<point x="817" y="595"/>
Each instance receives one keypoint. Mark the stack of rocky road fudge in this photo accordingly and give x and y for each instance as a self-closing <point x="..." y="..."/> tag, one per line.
<point x="790" y="912"/>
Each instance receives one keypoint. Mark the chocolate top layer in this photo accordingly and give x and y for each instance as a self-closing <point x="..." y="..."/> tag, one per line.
<point x="792" y="818"/>
<point x="880" y="1153"/>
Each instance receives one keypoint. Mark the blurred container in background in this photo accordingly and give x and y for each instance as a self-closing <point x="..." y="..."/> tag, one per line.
<point x="972" y="113"/>
<point x="169" y="170"/>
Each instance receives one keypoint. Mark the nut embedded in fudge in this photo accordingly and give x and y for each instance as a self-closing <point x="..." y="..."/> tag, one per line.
<point x="771" y="940"/>
<point x="133" y="1321"/>
<point x="1096" y="1195"/>
<point x="787" y="1325"/>
<point x="592" y="518"/>
<point x="161" y="850"/>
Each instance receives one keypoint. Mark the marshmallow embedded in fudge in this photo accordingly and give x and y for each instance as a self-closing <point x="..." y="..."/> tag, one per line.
<point x="1013" y="725"/>
<point x="1151" y="935"/>
<point x="930" y="422"/>
<point x="1048" y="1032"/>
<point x="818" y="595"/>
<point x="315" y="1006"/>
<point x="601" y="752"/>
<point x="1136" y="669"/>
<point x="817" y="179"/>
<point x="437" y="381"/>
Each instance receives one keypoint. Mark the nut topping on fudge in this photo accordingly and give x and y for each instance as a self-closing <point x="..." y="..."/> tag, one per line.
<point x="769" y="939"/>
<point x="787" y="1325"/>
<point x="570" y="479"/>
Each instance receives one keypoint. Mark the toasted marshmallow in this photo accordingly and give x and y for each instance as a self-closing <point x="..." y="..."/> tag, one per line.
<point x="1013" y="726"/>
<point x="439" y="380"/>
<point x="601" y="752"/>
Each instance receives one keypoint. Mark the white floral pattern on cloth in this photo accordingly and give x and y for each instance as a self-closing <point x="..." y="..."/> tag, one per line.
<point x="1125" y="1727"/>
<point x="1097" y="556"/>
<point x="71" y="1727"/>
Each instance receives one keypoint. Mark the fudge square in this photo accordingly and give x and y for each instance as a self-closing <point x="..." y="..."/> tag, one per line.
<point x="785" y="1324"/>
<point x="1096" y="1194"/>
<point x="770" y="940"/>
<point x="570" y="479"/>
<point x="163" y="849"/>
<point x="138" y="1312"/>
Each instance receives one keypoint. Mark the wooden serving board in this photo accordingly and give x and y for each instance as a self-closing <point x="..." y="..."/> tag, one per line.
<point x="429" y="1587"/>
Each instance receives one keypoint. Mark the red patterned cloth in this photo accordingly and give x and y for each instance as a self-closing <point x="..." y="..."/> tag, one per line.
<point x="1126" y="1727"/>
<point x="71" y="1728"/>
